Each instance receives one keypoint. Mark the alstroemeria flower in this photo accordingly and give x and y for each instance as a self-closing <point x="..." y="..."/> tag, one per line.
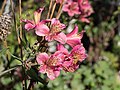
<point x="71" y="8"/>
<point x="86" y="10"/>
<point x="41" y="29"/>
<point x="73" y="38"/>
<point x="55" y="31"/>
<point x="51" y="65"/>
<point x="29" y="24"/>
<point x="77" y="54"/>
<point x="68" y="65"/>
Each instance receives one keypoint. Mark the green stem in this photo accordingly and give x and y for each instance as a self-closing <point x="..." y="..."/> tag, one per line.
<point x="6" y="71"/>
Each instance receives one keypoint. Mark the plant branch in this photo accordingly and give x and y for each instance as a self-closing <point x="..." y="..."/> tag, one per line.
<point x="50" y="6"/>
<point x="6" y="71"/>
<point x="12" y="7"/>
<point x="20" y="11"/>
<point x="3" y="5"/>
<point x="60" y="10"/>
<point x="53" y="9"/>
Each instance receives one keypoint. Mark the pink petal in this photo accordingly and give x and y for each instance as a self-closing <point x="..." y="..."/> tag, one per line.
<point x="70" y="13"/>
<point x="65" y="8"/>
<point x="60" y="56"/>
<point x="42" y="58"/>
<point x="73" y="41"/>
<point x="75" y="31"/>
<point x="83" y="19"/>
<point x="37" y="15"/>
<point x="60" y="47"/>
<point x="61" y="37"/>
<point x="29" y="26"/>
<point x="52" y="74"/>
<point x="41" y="29"/>
<point x="45" y="21"/>
<point x="80" y="50"/>
<point x="73" y="38"/>
<point x="57" y="73"/>
<point x="67" y="63"/>
<point x="77" y="48"/>
<point x="56" y="22"/>
<point x="43" y="68"/>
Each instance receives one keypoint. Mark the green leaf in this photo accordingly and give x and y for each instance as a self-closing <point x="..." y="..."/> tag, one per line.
<point x="31" y="72"/>
<point x="16" y="57"/>
<point x="3" y="51"/>
<point x="6" y="71"/>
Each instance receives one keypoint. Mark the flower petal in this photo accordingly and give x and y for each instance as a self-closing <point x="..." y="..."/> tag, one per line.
<point x="83" y="19"/>
<point x="41" y="29"/>
<point x="75" y="31"/>
<point x="61" y="48"/>
<point x="42" y="58"/>
<point x="43" y="68"/>
<point x="29" y="26"/>
<point x="37" y="15"/>
<point x="79" y="51"/>
<point x="53" y="74"/>
<point x="73" y="41"/>
<point x="61" y="37"/>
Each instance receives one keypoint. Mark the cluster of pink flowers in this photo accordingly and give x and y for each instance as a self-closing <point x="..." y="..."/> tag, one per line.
<point x="62" y="59"/>
<point x="82" y="8"/>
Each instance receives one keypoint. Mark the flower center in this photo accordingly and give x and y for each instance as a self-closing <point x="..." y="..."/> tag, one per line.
<point x="72" y="6"/>
<point x="55" y="28"/>
<point x="52" y="61"/>
<point x="84" y="2"/>
<point x="76" y="58"/>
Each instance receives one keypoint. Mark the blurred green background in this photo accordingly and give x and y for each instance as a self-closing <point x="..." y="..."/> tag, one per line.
<point x="100" y="71"/>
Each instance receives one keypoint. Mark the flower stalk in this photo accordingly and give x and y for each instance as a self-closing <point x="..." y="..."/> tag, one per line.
<point x="60" y="10"/>
<point x="3" y="6"/>
<point x="20" y="11"/>
<point x="53" y="9"/>
<point x="50" y="7"/>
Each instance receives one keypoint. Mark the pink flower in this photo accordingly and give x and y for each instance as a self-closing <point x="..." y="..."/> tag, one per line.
<point x="71" y="8"/>
<point x="62" y="49"/>
<point x="77" y="54"/>
<point x="86" y="10"/>
<point x="37" y="15"/>
<point x="73" y="38"/>
<point x="40" y="28"/>
<point x="55" y="31"/>
<point x="68" y="66"/>
<point x="84" y="19"/>
<point x="51" y="65"/>
<point x="29" y="24"/>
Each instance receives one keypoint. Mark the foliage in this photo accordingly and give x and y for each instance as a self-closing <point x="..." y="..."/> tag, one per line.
<point x="100" y="71"/>
<point x="98" y="76"/>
